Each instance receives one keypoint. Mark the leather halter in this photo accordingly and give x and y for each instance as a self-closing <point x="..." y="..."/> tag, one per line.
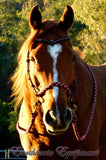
<point x="59" y="84"/>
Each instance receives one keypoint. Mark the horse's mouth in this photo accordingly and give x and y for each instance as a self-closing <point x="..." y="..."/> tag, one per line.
<point x="55" y="133"/>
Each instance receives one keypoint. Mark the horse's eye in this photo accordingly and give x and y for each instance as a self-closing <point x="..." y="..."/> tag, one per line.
<point x="33" y="60"/>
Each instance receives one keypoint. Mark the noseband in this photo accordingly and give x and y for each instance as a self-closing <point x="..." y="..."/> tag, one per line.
<point x="68" y="90"/>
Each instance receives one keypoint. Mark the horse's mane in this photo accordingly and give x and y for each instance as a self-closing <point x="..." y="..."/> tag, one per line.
<point x="18" y="77"/>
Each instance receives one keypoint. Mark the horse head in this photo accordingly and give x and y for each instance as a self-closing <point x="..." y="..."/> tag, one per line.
<point x="50" y="61"/>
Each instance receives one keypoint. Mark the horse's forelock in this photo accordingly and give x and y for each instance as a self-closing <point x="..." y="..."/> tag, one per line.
<point x="48" y="24"/>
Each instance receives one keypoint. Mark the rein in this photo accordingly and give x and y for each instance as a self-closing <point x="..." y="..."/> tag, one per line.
<point x="68" y="90"/>
<point x="74" y="124"/>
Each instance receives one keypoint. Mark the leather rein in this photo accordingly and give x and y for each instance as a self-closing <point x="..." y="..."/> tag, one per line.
<point x="69" y="92"/>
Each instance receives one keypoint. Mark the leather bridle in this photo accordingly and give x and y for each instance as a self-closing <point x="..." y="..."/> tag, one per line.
<point x="69" y="92"/>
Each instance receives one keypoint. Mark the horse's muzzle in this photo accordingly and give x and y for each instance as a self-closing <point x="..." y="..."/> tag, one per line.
<point x="56" y="124"/>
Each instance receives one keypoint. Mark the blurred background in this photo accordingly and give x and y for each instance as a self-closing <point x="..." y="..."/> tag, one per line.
<point x="88" y="35"/>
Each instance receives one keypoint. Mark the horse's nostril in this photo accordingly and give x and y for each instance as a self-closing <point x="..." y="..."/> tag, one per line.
<point x="50" y="118"/>
<point x="58" y="122"/>
<point x="68" y="115"/>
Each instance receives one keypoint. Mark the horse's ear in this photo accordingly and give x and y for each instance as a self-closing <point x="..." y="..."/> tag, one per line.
<point x="67" y="18"/>
<point x="35" y="18"/>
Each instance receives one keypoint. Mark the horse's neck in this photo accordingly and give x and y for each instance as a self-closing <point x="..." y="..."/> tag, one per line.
<point x="83" y="88"/>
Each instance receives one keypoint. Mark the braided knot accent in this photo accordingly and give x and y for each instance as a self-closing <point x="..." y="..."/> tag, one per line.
<point x="55" y="84"/>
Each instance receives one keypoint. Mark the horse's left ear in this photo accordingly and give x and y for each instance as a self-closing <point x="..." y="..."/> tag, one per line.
<point x="67" y="18"/>
<point x="35" y="18"/>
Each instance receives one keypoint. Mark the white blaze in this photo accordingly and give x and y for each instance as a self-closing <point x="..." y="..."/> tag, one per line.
<point x="54" y="53"/>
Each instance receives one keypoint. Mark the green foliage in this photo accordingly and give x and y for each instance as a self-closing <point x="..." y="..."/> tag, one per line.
<point x="8" y="118"/>
<point x="93" y="37"/>
<point x="8" y="44"/>
<point x="13" y="115"/>
<point x="53" y="9"/>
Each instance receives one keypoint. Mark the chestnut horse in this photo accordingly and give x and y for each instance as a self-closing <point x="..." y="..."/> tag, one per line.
<point x="62" y="114"/>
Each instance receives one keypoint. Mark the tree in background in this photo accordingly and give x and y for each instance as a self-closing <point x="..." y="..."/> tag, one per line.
<point x="10" y="42"/>
<point x="8" y="118"/>
<point x="92" y="39"/>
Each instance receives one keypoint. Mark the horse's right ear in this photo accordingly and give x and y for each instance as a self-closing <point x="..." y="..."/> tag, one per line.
<point x="35" y="18"/>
